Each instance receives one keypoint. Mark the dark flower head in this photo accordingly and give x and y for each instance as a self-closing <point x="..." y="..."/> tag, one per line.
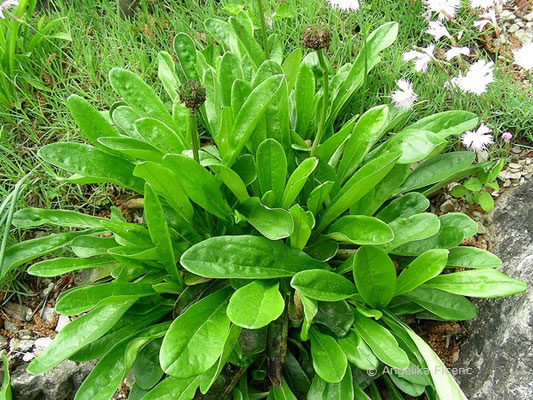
<point x="316" y="37"/>
<point x="192" y="94"/>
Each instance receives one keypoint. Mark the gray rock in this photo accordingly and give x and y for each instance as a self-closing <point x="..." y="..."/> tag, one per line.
<point x="60" y="383"/>
<point x="499" y="348"/>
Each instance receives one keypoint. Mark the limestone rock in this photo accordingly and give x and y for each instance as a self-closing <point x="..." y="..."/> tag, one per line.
<point x="60" y="383"/>
<point x="499" y="348"/>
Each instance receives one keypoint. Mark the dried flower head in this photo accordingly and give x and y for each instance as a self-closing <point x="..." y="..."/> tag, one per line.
<point x="316" y="37"/>
<point x="479" y="140"/>
<point x="192" y="94"/>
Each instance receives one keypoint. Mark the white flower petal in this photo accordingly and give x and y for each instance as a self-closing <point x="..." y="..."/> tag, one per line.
<point x="523" y="57"/>
<point x="345" y="5"/>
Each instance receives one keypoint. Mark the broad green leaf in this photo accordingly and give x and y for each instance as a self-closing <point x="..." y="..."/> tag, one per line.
<point x="444" y="305"/>
<point x="228" y="71"/>
<point x="86" y="246"/>
<point x="318" y="196"/>
<point x="196" y="338"/>
<point x="32" y="217"/>
<point x="138" y="95"/>
<point x="172" y="388"/>
<point x="166" y="72"/>
<point x="111" y="370"/>
<point x="472" y="257"/>
<point x="403" y="207"/>
<point x="322" y="390"/>
<point x="158" y="229"/>
<point x="304" y="221"/>
<point x="199" y="185"/>
<point x="361" y="230"/>
<point x="256" y="305"/>
<point x="28" y="250"/>
<point x="460" y="221"/>
<point x="273" y="223"/>
<point x="186" y="54"/>
<point x="166" y="183"/>
<point x="91" y="163"/>
<point x="271" y="168"/>
<point x="78" y="333"/>
<point x="160" y="136"/>
<point x="124" y="118"/>
<point x="368" y="176"/>
<point x="413" y="228"/>
<point x="375" y="276"/>
<point x="92" y="124"/>
<point x="381" y="341"/>
<point x="425" y="267"/>
<point x="485" y="283"/>
<point x="358" y="352"/>
<point x="415" y="145"/>
<point x="250" y="114"/>
<point x="247" y="257"/>
<point x="146" y="368"/>
<point x="486" y="201"/>
<point x="297" y="181"/>
<point x="337" y="316"/>
<point x="437" y="169"/>
<point x="329" y="360"/>
<point x="281" y="393"/>
<point x="319" y="284"/>
<point x="63" y="265"/>
<point x="5" y="389"/>
<point x="291" y="67"/>
<point x="209" y="378"/>
<point x="232" y="180"/>
<point x="365" y="133"/>
<point x="323" y="249"/>
<point x="133" y="148"/>
<point x="81" y="299"/>
<point x="310" y="309"/>
<point x="443" y="381"/>
<point x="334" y="145"/>
<point x="447" y="123"/>
<point x="252" y="48"/>
<point x="304" y="95"/>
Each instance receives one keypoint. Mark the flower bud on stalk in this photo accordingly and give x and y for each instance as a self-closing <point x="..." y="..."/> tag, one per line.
<point x="316" y="37"/>
<point x="193" y="95"/>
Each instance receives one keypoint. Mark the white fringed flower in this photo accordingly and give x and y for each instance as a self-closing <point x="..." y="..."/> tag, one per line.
<point x="444" y="8"/>
<point x="487" y="18"/>
<point x="6" y="5"/>
<point x="457" y="51"/>
<point x="477" y="79"/>
<point x="437" y="29"/>
<point x="486" y="4"/>
<point x="345" y="5"/>
<point x="422" y="58"/>
<point x="479" y="140"/>
<point x="523" y="57"/>
<point x="405" y="97"/>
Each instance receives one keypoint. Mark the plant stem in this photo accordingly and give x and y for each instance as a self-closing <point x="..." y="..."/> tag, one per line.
<point x="193" y="131"/>
<point x="365" y="77"/>
<point x="325" y="102"/>
<point x="263" y="27"/>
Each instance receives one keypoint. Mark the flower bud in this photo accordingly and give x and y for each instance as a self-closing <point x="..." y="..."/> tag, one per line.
<point x="192" y="94"/>
<point x="316" y="37"/>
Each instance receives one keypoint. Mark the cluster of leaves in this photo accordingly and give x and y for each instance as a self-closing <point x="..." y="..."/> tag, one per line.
<point x="474" y="189"/>
<point x="19" y="42"/>
<point x="262" y="269"/>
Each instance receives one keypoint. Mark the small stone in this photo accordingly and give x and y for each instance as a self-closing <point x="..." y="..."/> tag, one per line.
<point x="448" y="206"/>
<point x="529" y="17"/>
<point x="41" y="344"/>
<point x="10" y="326"/>
<point x="482" y="156"/>
<point x="27" y="357"/>
<point x="516" y="149"/>
<point x="515" y="166"/>
<point x="25" y="334"/>
<point x="49" y="289"/>
<point x="3" y="342"/>
<point x="514" y="175"/>
<point x="507" y="183"/>
<point x="481" y="229"/>
<point x="62" y="322"/>
<point x="514" y="28"/>
<point x="507" y="14"/>
<point x="24" y="345"/>
<point x="48" y="314"/>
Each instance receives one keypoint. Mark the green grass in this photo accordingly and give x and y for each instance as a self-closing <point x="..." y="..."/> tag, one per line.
<point x="102" y="40"/>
